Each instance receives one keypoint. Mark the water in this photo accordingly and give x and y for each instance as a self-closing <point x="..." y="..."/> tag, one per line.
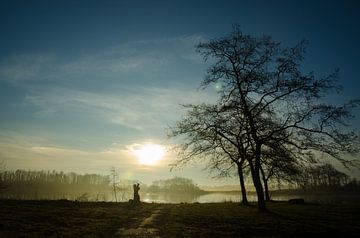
<point x="211" y="197"/>
<point x="335" y="198"/>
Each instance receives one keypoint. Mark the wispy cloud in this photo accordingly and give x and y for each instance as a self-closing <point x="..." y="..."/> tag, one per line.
<point x="26" y="69"/>
<point x="146" y="107"/>
<point x="123" y="84"/>
<point x="57" y="151"/>
<point x="143" y="57"/>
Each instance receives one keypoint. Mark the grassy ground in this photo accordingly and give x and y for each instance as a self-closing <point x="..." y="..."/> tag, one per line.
<point x="91" y="219"/>
<point x="283" y="220"/>
<point x="67" y="219"/>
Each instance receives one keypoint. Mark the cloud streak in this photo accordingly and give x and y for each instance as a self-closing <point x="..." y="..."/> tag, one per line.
<point x="146" y="107"/>
<point x="130" y="84"/>
<point x="137" y="58"/>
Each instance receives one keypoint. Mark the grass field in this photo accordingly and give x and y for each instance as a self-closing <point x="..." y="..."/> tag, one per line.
<point x="103" y="219"/>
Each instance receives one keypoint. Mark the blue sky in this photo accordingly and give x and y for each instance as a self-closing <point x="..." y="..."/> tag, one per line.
<point x="82" y="82"/>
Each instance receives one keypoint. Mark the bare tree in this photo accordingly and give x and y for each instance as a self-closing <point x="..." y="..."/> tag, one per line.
<point x="213" y="135"/>
<point x="3" y="184"/>
<point x="263" y="87"/>
<point x="114" y="181"/>
<point x="279" y="164"/>
<point x="321" y="176"/>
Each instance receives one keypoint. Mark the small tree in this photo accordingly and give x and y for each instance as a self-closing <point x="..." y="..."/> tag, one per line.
<point x="3" y="184"/>
<point x="278" y="164"/>
<point x="114" y="174"/>
<point x="213" y="135"/>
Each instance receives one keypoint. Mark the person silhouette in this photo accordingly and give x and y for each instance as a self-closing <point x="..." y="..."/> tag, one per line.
<point x="136" y="193"/>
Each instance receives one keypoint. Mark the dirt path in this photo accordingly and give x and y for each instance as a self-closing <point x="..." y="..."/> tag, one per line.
<point x="148" y="227"/>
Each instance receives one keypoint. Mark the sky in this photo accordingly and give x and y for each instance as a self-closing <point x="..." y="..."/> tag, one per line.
<point x="85" y="83"/>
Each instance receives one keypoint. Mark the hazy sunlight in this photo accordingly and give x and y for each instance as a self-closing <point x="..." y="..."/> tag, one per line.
<point x="149" y="154"/>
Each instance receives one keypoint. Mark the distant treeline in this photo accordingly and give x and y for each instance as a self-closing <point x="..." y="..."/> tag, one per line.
<point x="22" y="184"/>
<point x="55" y="177"/>
<point x="25" y="184"/>
<point x="174" y="185"/>
<point x="323" y="177"/>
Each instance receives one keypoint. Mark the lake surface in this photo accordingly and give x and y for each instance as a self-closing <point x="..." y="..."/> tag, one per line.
<point x="191" y="198"/>
<point x="338" y="198"/>
<point x="210" y="197"/>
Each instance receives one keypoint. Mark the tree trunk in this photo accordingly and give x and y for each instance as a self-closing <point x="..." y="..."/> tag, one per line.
<point x="266" y="187"/>
<point x="244" y="200"/>
<point x="255" y="171"/>
<point x="114" y="189"/>
<point x="267" y="194"/>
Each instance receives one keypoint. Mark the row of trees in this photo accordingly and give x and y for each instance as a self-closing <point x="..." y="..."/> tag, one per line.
<point x="25" y="184"/>
<point x="174" y="185"/>
<point x="321" y="176"/>
<point x="22" y="184"/>
<point x="270" y="119"/>
<point x="55" y="177"/>
<point x="2" y="169"/>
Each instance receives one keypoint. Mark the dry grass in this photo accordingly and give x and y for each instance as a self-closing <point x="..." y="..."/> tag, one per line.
<point x="100" y="219"/>
<point x="282" y="220"/>
<point x="67" y="219"/>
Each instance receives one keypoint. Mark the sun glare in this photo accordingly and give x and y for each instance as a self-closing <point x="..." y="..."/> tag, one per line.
<point x="149" y="154"/>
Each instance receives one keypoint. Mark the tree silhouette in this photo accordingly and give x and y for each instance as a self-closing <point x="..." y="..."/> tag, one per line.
<point x="215" y="136"/>
<point x="321" y="176"/>
<point x="279" y="164"/>
<point x="114" y="174"/>
<point x="3" y="184"/>
<point x="262" y="87"/>
<point x="175" y="185"/>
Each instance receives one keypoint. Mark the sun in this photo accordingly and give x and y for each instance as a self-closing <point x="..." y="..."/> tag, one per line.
<point x="149" y="154"/>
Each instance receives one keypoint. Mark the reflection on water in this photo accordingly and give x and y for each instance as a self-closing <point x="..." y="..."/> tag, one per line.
<point x="332" y="198"/>
<point x="209" y="197"/>
<point x="169" y="198"/>
<point x="223" y="197"/>
<point x="191" y="198"/>
<point x="337" y="198"/>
